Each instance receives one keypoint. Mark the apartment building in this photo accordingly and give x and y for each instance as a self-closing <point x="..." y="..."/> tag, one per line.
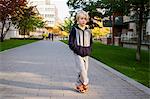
<point x="47" y="10"/>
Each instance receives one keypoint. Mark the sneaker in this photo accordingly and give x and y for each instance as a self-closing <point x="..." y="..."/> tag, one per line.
<point x="85" y="87"/>
<point x="80" y="89"/>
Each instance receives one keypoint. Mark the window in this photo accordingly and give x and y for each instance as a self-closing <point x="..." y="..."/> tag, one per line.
<point x="49" y="15"/>
<point x="50" y="22"/>
<point x="47" y="9"/>
<point x="42" y="15"/>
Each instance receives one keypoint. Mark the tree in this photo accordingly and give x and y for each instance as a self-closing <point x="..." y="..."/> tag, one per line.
<point x="101" y="30"/>
<point x="67" y="25"/>
<point x="26" y="19"/>
<point x="140" y="8"/>
<point x="38" y="22"/>
<point x="7" y="8"/>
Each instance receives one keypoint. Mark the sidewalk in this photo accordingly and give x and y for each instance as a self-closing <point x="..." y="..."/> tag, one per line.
<point x="46" y="70"/>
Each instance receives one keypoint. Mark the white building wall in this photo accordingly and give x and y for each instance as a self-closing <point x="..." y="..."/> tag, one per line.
<point x="133" y="26"/>
<point x="148" y="27"/>
<point x="47" y="10"/>
<point x="12" y="33"/>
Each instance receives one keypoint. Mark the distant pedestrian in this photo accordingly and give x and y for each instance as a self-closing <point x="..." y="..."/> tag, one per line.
<point x="49" y="36"/>
<point x="80" y="41"/>
<point x="52" y="36"/>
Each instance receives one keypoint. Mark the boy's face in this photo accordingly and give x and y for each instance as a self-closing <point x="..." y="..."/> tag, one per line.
<point x="82" y="20"/>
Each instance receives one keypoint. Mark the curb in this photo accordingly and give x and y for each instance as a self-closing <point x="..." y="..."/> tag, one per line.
<point x="124" y="77"/>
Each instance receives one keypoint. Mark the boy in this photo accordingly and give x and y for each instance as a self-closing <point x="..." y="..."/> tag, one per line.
<point x="80" y="40"/>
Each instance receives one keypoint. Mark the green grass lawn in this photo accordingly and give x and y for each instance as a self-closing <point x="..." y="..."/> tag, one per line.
<point x="7" y="44"/>
<point x="123" y="60"/>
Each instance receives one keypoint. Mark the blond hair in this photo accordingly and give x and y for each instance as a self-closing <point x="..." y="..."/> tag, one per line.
<point x="81" y="12"/>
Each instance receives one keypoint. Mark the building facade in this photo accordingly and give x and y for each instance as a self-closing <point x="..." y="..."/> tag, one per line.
<point x="125" y="33"/>
<point x="129" y="34"/>
<point x="47" y="10"/>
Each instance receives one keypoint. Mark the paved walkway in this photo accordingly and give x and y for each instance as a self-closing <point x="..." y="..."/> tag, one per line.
<point x="46" y="70"/>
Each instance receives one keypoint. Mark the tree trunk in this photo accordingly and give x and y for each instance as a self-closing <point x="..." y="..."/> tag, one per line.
<point x="24" y="34"/>
<point x="2" y="32"/>
<point x="113" y="30"/>
<point x="139" y="32"/>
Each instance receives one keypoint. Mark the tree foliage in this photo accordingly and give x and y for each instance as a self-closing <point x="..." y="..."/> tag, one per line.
<point x="27" y="19"/>
<point x="22" y="16"/>
<point x="7" y="8"/>
<point x="100" y="32"/>
<point x="67" y="25"/>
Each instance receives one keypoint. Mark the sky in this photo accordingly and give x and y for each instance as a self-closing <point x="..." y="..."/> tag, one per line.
<point x="63" y="10"/>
